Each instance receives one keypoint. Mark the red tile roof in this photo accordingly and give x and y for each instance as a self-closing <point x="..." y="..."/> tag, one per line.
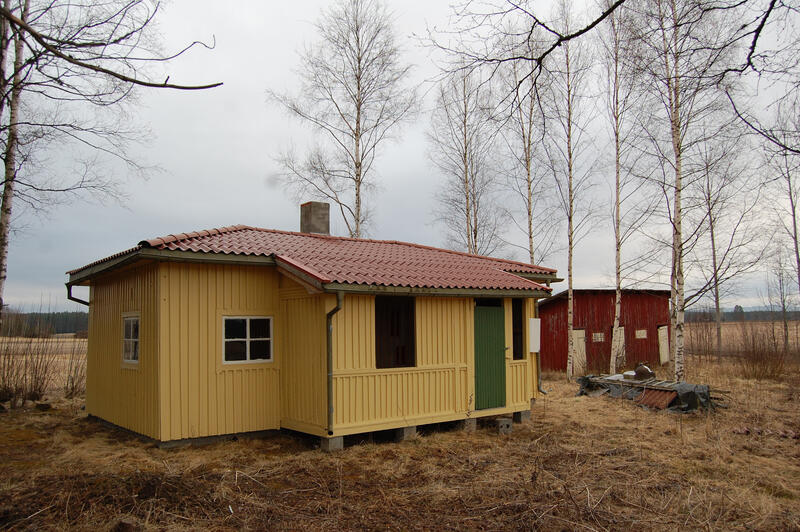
<point x="356" y="261"/>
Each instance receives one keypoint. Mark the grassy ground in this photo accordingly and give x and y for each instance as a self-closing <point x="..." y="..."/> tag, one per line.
<point x="579" y="463"/>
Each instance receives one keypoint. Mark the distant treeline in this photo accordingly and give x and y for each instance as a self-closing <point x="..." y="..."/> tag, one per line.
<point x="700" y="315"/>
<point x="40" y="324"/>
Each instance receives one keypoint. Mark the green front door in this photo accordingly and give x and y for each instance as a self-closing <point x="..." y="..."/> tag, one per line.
<point x="490" y="355"/>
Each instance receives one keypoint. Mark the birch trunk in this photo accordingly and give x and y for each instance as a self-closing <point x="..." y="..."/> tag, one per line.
<point x="672" y="78"/>
<point x="10" y="156"/>
<point x="617" y="355"/>
<point x="465" y="163"/>
<point x="528" y="138"/>
<point x="715" y="281"/>
<point x="570" y="224"/>
<point x="357" y="170"/>
<point x="794" y="235"/>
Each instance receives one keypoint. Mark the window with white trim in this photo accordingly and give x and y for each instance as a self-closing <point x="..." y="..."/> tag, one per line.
<point x="246" y="339"/>
<point x="130" y="339"/>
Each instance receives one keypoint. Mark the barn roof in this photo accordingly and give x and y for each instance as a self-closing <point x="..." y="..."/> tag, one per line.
<point x="588" y="291"/>
<point x="327" y="261"/>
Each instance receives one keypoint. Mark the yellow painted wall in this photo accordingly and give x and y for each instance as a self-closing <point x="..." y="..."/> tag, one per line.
<point x="441" y="386"/>
<point x="182" y="389"/>
<point x="124" y="394"/>
<point x="531" y="312"/>
<point x="304" y="392"/>
<point x="518" y="389"/>
<point x="201" y="396"/>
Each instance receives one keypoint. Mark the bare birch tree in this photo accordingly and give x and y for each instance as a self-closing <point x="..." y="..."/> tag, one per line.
<point x="523" y="136"/>
<point x="65" y="68"/>
<point x="631" y="209"/>
<point x="679" y="51"/>
<point x="462" y="139"/>
<point x="566" y="144"/>
<point x="730" y="225"/>
<point x="353" y="95"/>
<point x="785" y="176"/>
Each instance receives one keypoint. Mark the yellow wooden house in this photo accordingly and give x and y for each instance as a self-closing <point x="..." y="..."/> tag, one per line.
<point x="243" y="329"/>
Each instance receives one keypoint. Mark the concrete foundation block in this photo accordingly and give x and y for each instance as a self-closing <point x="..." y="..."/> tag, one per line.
<point x="405" y="433"/>
<point x="468" y="425"/>
<point x="504" y="425"/>
<point x="331" y="444"/>
<point x="521" y="416"/>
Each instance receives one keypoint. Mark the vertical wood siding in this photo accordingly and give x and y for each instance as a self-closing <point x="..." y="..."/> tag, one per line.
<point x="594" y="312"/>
<point x="519" y="373"/>
<point x="354" y="334"/>
<point x="440" y="386"/>
<point x="304" y="395"/>
<point x="201" y="396"/>
<point x="124" y="394"/>
<point x="533" y="381"/>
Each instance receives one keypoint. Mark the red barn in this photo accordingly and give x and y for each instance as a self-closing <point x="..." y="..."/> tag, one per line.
<point x="644" y="315"/>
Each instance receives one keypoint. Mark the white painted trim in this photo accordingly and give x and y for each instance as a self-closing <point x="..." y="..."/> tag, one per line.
<point x="247" y="341"/>
<point x="131" y="364"/>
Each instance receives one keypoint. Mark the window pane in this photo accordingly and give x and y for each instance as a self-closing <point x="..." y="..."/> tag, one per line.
<point x="135" y="349"/>
<point x="394" y="332"/>
<point x="126" y="350"/>
<point x="135" y="328"/>
<point x="517" y="327"/>
<point x="235" y="351"/>
<point x="260" y="350"/>
<point x="259" y="328"/>
<point x="235" y="328"/>
<point x="127" y="323"/>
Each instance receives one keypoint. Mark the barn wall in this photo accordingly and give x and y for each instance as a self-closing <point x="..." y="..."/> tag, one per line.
<point x="643" y="311"/>
<point x="122" y="393"/>
<point x="201" y="396"/>
<point x="594" y="312"/>
<point x="554" y="335"/>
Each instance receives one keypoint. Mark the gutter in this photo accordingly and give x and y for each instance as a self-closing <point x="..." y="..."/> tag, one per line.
<point x="539" y="372"/>
<point x="73" y="298"/>
<point x="329" y="323"/>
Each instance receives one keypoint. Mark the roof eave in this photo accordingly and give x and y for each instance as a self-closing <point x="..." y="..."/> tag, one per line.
<point x="377" y="289"/>
<point x="84" y="275"/>
<point x="538" y="277"/>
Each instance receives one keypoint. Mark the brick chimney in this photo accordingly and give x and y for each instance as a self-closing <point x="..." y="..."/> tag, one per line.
<point x="315" y="217"/>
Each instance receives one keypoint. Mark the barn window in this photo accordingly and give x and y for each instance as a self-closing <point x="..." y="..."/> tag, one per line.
<point x="598" y="337"/>
<point x="517" y="328"/>
<point x="130" y="338"/>
<point x="394" y="332"/>
<point x="641" y="333"/>
<point x="247" y="339"/>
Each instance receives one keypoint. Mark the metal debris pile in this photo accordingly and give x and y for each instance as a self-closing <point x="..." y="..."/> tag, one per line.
<point x="652" y="393"/>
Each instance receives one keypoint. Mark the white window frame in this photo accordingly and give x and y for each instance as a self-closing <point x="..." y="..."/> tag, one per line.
<point x="598" y="337"/>
<point x="126" y="316"/>
<point x="248" y="339"/>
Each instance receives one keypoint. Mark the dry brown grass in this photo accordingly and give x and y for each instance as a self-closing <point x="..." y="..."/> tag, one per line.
<point x="580" y="463"/>
<point x="701" y="337"/>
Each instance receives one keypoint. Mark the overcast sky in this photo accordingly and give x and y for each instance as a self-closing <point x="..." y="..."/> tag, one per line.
<point x="216" y="148"/>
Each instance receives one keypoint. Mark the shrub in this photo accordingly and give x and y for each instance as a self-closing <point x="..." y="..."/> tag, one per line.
<point x="75" y="383"/>
<point x="760" y="356"/>
<point x="12" y="376"/>
<point x="27" y="368"/>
